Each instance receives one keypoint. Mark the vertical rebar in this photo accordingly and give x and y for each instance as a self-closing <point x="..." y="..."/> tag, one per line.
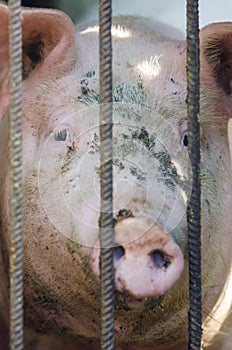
<point x="194" y="206"/>
<point x="106" y="218"/>
<point x="15" y="161"/>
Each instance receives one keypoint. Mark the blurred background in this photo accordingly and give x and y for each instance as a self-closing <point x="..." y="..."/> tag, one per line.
<point x="167" y="11"/>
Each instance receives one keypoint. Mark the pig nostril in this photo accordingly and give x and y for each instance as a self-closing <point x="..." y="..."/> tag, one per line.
<point x="119" y="251"/>
<point x="160" y="259"/>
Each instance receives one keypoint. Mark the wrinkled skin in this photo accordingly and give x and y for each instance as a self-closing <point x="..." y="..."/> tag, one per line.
<point x="61" y="144"/>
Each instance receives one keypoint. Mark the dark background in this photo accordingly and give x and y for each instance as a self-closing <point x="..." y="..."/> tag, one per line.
<point x="41" y="3"/>
<point x="76" y="9"/>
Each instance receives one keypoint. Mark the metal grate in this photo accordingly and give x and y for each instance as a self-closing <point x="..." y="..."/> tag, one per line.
<point x="194" y="205"/>
<point x="106" y="219"/>
<point x="16" y="195"/>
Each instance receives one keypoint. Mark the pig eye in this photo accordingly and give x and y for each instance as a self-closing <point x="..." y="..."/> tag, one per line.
<point x="185" y="140"/>
<point x="62" y="135"/>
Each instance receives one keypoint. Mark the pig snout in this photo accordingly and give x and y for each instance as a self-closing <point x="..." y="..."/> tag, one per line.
<point x="147" y="261"/>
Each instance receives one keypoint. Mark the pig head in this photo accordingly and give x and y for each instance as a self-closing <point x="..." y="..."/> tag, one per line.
<point x="152" y="180"/>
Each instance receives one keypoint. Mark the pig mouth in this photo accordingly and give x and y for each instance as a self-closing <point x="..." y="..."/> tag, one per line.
<point x="125" y="301"/>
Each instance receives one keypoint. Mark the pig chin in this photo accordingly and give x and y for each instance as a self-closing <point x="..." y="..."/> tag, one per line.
<point x="126" y="301"/>
<point x="147" y="262"/>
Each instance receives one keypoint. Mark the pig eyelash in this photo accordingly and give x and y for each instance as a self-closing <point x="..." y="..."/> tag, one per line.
<point x="62" y="135"/>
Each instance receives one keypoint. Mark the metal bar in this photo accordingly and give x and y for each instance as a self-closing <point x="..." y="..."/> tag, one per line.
<point x="106" y="218"/>
<point x="194" y="206"/>
<point x="15" y="159"/>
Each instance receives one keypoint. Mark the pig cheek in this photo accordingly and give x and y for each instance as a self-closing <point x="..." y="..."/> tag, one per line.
<point x="31" y="154"/>
<point x="83" y="217"/>
<point x="42" y="239"/>
<point x="60" y="192"/>
<point x="53" y="264"/>
<point x="4" y="102"/>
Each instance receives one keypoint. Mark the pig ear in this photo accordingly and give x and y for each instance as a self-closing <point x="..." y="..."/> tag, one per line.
<point x="216" y="60"/>
<point x="49" y="46"/>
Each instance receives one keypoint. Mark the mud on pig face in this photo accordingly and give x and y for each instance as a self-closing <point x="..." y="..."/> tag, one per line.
<point x="151" y="176"/>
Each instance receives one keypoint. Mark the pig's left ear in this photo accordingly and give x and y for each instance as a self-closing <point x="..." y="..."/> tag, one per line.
<point x="216" y="62"/>
<point x="49" y="47"/>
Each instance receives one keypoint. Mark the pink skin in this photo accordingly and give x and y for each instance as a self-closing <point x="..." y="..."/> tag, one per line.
<point x="154" y="257"/>
<point x="61" y="293"/>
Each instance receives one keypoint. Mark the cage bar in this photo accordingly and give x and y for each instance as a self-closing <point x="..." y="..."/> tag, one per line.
<point x="15" y="162"/>
<point x="106" y="218"/>
<point x="106" y="180"/>
<point x="194" y="205"/>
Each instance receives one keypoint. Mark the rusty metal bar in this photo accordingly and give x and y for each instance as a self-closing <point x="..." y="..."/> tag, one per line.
<point x="194" y="205"/>
<point x="15" y="159"/>
<point x="106" y="217"/>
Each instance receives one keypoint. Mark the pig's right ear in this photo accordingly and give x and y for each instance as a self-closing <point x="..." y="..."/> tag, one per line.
<point x="216" y="63"/>
<point x="49" y="47"/>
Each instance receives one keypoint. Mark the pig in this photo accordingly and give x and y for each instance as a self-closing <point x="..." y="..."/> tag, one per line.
<point x="151" y="176"/>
